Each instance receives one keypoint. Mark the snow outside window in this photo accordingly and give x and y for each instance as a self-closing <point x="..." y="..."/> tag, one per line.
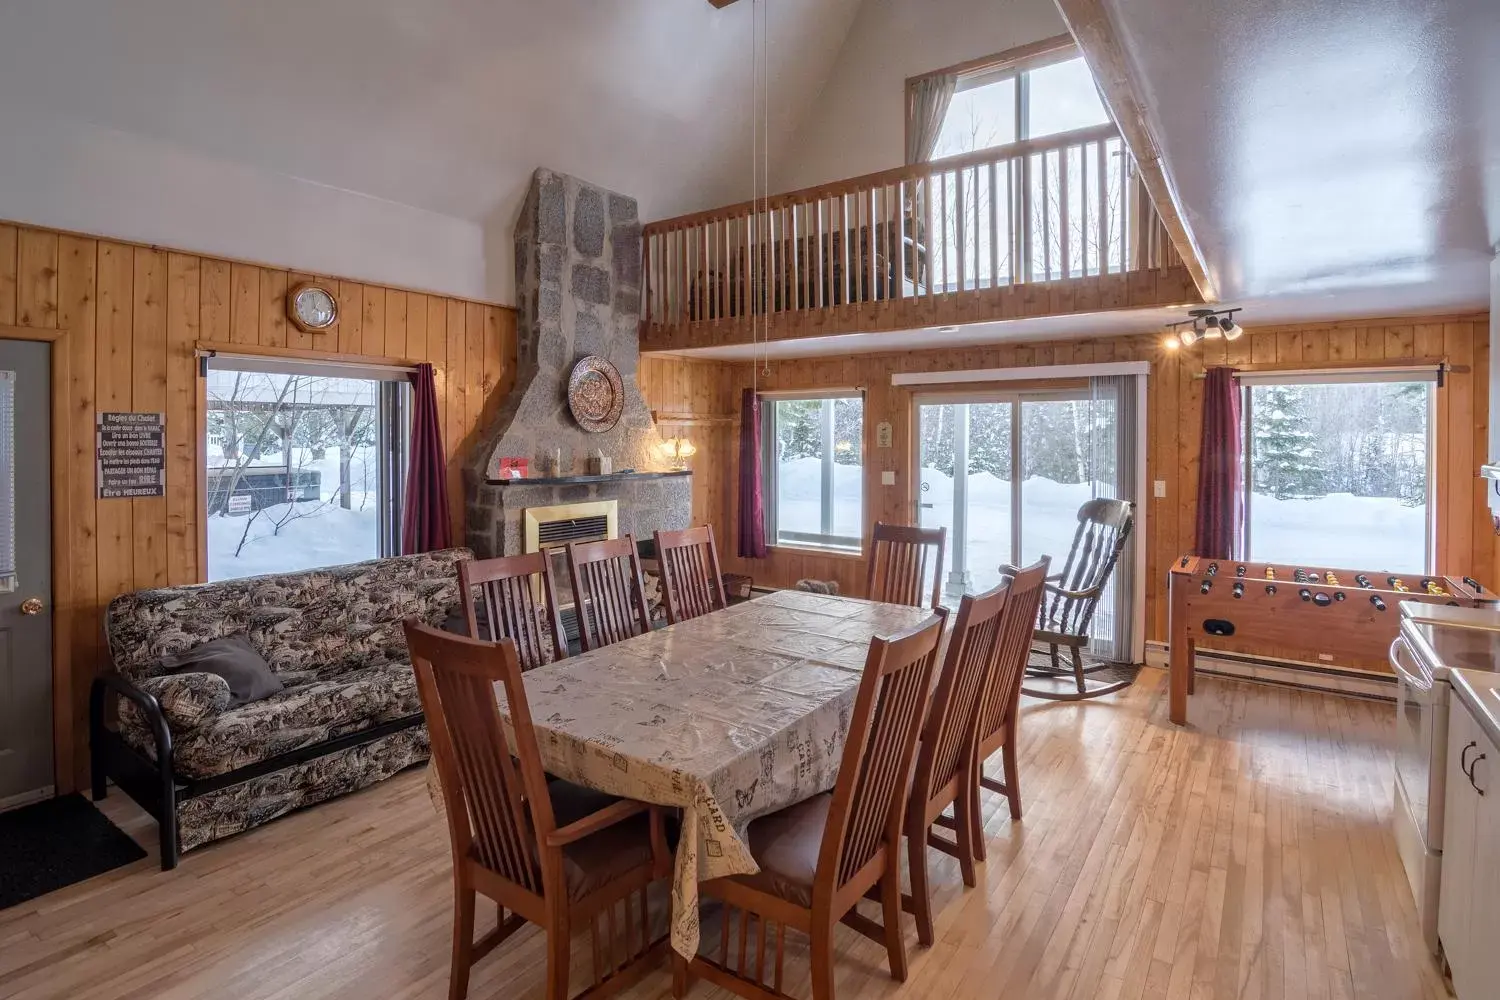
<point x="1001" y="106"/>
<point x="1338" y="472"/>
<point x="305" y="465"/>
<point x="814" y="471"/>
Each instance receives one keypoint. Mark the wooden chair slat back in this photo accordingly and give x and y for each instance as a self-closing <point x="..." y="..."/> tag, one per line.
<point x="874" y="772"/>
<point x="1104" y="527"/>
<point x="485" y="793"/>
<point x="899" y="559"/>
<point x="608" y="593"/>
<point x="1002" y="687"/>
<point x="953" y="720"/>
<point x="691" y="581"/>
<point x="508" y="590"/>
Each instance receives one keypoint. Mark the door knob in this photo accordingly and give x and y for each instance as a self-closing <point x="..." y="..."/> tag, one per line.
<point x="31" y="606"/>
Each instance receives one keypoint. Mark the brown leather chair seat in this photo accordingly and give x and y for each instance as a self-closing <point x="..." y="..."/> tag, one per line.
<point x="786" y="845"/>
<point x="599" y="858"/>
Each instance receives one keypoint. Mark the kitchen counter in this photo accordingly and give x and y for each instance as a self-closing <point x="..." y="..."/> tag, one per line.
<point x="1477" y="690"/>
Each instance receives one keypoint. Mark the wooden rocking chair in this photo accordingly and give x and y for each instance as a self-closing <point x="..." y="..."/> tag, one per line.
<point x="1072" y="596"/>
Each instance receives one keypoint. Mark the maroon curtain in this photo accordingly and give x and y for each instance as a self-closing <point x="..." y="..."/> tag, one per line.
<point x="1221" y="512"/>
<point x="425" y="525"/>
<point x="752" y="544"/>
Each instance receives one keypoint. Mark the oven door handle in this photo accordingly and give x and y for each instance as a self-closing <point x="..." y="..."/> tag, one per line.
<point x="1420" y="683"/>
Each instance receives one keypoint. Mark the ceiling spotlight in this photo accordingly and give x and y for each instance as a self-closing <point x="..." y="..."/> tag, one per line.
<point x="1206" y="324"/>
<point x="1211" y="328"/>
<point x="1188" y="336"/>
<point x="1232" y="330"/>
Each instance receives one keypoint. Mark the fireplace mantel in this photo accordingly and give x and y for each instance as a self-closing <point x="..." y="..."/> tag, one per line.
<point x="615" y="477"/>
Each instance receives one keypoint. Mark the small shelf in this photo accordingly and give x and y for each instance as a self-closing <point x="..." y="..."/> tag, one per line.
<point x="614" y="477"/>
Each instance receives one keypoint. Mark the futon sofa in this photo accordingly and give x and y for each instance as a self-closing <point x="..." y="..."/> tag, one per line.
<point x="348" y="716"/>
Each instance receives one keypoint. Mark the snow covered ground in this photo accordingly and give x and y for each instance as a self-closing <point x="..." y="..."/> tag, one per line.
<point x="1338" y="530"/>
<point x="323" y="535"/>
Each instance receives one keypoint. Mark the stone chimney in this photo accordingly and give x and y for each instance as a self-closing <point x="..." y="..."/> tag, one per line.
<point x="578" y="290"/>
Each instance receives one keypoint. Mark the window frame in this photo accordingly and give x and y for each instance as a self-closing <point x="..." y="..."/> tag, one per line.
<point x="823" y="541"/>
<point x="1432" y="374"/>
<point x="394" y="415"/>
<point x="1015" y="63"/>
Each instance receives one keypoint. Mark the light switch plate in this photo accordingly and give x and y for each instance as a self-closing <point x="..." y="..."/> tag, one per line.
<point x="888" y="478"/>
<point x="1159" y="488"/>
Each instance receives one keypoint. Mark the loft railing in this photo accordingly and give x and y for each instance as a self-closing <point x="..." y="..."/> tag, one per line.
<point x="1067" y="206"/>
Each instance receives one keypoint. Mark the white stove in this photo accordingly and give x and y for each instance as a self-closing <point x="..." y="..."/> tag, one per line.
<point x="1432" y="639"/>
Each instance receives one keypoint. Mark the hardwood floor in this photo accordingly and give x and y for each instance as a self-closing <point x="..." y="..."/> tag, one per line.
<point x="1246" y="856"/>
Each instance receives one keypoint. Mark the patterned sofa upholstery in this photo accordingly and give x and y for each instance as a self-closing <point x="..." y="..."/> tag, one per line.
<point x="349" y="715"/>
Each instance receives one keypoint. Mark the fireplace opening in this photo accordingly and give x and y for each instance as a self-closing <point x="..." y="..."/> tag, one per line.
<point x="550" y="529"/>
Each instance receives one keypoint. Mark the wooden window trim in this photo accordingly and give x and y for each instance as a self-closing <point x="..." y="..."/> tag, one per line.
<point x="1029" y="56"/>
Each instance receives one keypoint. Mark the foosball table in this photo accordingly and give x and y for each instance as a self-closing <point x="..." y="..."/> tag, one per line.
<point x="1339" y="617"/>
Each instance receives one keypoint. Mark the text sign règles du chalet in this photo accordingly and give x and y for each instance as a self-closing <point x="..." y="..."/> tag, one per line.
<point x="132" y="455"/>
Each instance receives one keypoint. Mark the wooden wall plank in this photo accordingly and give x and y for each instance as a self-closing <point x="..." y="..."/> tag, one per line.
<point x="244" y="304"/>
<point x="273" y="324"/>
<point x="149" y="395"/>
<point x="77" y="296"/>
<point x="8" y="238"/>
<point x="36" y="279"/>
<point x="395" y="324"/>
<point x="351" y="295"/>
<point x="214" y="298"/>
<point x="184" y="305"/>
<point x="416" y="327"/>
<point x="113" y="372"/>
<point x="372" y="326"/>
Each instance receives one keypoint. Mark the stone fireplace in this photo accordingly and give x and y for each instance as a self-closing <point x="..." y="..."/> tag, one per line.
<point x="578" y="290"/>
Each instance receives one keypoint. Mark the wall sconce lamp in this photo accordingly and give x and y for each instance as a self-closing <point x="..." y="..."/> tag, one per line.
<point x="1204" y="324"/>
<point x="678" y="450"/>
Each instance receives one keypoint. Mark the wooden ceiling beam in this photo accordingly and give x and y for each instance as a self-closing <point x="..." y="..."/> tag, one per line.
<point x="1099" y="41"/>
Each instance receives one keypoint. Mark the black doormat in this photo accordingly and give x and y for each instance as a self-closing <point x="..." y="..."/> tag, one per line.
<point x="52" y="844"/>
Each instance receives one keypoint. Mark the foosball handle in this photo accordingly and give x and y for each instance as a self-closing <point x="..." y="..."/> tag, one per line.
<point x="1338" y="595"/>
<point x="1375" y="600"/>
<point x="1474" y="584"/>
<point x="1364" y="582"/>
<point x="1183" y="564"/>
<point x="1206" y="587"/>
<point x="1271" y="589"/>
<point x="1213" y="569"/>
<point x="1305" y="594"/>
<point x="1239" y="570"/>
<point x="1238" y="590"/>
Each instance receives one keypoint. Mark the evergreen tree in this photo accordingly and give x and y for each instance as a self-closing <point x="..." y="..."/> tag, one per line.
<point x="1285" y="451"/>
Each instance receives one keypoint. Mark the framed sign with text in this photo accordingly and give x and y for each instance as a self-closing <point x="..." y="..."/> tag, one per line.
<point x="131" y="453"/>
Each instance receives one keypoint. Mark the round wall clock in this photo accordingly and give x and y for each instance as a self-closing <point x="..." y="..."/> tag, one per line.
<point x="311" y="307"/>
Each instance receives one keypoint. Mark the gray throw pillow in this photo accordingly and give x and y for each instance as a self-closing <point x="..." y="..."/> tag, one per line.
<point x="246" y="672"/>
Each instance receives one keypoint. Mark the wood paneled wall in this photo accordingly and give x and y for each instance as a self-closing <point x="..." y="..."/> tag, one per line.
<point x="133" y="318"/>
<point x="1465" y="541"/>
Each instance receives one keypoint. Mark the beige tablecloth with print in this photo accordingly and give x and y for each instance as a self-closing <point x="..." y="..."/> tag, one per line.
<point x="729" y="717"/>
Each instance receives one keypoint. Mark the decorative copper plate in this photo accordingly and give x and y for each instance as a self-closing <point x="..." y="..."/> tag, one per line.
<point x="595" y="394"/>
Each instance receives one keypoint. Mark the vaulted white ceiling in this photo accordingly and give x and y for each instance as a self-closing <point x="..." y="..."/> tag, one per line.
<point x="1331" y="156"/>
<point x="445" y="106"/>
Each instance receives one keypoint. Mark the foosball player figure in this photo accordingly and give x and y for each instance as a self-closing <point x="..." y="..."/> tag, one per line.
<point x="1299" y="575"/>
<point x="1432" y="587"/>
<point x="1270" y="572"/>
<point x="1213" y="569"/>
<point x="1397" y="584"/>
<point x="1364" y="582"/>
<point x="1330" y="579"/>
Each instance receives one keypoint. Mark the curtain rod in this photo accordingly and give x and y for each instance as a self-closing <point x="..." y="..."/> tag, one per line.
<point x="1441" y="367"/>
<point x="281" y="359"/>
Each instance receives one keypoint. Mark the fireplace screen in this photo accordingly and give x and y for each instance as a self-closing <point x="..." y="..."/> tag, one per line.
<point x="550" y="529"/>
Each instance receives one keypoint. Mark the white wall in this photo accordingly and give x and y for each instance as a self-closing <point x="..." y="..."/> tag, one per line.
<point x="69" y="174"/>
<point x="857" y="125"/>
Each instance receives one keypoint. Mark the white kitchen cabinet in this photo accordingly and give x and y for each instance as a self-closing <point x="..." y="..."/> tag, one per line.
<point x="1469" y="902"/>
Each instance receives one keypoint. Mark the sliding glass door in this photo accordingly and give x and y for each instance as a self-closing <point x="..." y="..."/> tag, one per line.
<point x="1005" y="473"/>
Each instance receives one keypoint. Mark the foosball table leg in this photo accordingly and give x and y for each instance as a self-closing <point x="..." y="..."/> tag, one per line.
<point x="1180" y="679"/>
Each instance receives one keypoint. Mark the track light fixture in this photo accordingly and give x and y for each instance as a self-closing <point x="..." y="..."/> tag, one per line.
<point x="1204" y="324"/>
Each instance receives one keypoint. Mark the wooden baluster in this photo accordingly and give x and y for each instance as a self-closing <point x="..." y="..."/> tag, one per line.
<point x="994" y="225"/>
<point x="946" y="241"/>
<point x="867" y="244"/>
<point x="1102" y="167"/>
<point x="959" y="229"/>
<point x="929" y="235"/>
<point x="1064" y="214"/>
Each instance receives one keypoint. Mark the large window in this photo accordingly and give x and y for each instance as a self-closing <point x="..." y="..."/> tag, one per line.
<point x="1338" y="469"/>
<point x="304" y="464"/>
<point x="814" y="470"/>
<point x="1028" y="100"/>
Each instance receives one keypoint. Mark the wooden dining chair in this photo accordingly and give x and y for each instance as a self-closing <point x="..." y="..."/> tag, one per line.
<point x="519" y="601"/>
<point x="999" y="704"/>
<point x="691" y="580"/>
<point x="899" y="556"/>
<point x="608" y="592"/>
<point x="819" y="858"/>
<point x="557" y="855"/>
<point x="946" y="773"/>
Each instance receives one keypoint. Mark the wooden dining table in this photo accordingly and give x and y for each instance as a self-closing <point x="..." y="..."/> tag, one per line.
<point x="727" y="717"/>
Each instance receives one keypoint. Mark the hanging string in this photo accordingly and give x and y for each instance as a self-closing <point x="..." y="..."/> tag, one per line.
<point x="752" y="223"/>
<point x="765" y="173"/>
